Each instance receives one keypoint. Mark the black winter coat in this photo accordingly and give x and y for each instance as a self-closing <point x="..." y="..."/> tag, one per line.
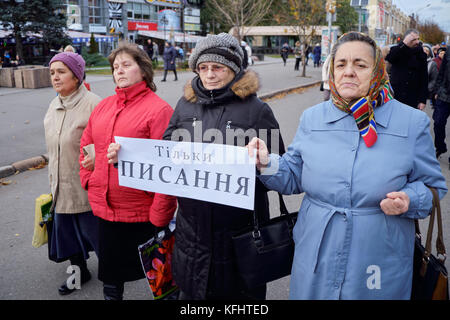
<point x="409" y="74"/>
<point x="203" y="259"/>
<point x="442" y="85"/>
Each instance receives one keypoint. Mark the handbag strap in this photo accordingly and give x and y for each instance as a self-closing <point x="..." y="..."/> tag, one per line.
<point x="283" y="210"/>
<point x="435" y="213"/>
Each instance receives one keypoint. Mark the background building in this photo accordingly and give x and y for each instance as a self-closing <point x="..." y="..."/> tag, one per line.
<point x="135" y="20"/>
<point x="386" y="22"/>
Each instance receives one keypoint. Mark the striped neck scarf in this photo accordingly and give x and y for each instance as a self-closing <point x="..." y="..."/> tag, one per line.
<point x="380" y="92"/>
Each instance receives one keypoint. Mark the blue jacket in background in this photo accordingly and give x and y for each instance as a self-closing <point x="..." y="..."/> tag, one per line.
<point x="345" y="246"/>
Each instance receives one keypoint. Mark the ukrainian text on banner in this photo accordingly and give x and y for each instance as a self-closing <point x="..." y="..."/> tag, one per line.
<point x="204" y="171"/>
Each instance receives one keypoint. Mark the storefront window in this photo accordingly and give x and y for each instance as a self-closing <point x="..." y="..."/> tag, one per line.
<point x="146" y="12"/>
<point x="137" y="8"/>
<point x="94" y="12"/>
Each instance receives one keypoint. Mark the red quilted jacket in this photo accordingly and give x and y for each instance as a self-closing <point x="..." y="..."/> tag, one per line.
<point x="135" y="112"/>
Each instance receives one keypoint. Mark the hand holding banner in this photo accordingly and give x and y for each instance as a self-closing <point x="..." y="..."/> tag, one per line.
<point x="204" y="171"/>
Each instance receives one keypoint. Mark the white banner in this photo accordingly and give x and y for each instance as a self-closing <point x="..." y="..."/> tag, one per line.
<point x="204" y="171"/>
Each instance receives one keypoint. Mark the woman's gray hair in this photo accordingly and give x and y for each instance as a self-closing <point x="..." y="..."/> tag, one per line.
<point x="354" y="36"/>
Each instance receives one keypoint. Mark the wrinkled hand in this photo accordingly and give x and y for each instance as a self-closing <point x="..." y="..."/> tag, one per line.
<point x="113" y="149"/>
<point x="421" y="106"/>
<point x="262" y="153"/>
<point x="88" y="163"/>
<point x="395" y="203"/>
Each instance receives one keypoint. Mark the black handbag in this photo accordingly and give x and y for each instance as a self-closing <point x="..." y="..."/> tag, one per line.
<point x="264" y="252"/>
<point x="430" y="277"/>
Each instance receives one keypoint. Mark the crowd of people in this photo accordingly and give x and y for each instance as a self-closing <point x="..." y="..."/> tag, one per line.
<point x="350" y="219"/>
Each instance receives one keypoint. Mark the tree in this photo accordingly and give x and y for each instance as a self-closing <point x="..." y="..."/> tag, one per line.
<point x="93" y="45"/>
<point x="430" y="32"/>
<point x="39" y="16"/>
<point x="239" y="13"/>
<point x="346" y="16"/>
<point x="304" y="18"/>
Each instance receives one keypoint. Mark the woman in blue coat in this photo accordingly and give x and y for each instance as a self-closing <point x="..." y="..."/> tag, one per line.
<point x="364" y="161"/>
<point x="169" y="57"/>
<point x="317" y="53"/>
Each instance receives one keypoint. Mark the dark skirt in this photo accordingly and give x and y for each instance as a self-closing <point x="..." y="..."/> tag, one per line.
<point x="119" y="259"/>
<point x="72" y="235"/>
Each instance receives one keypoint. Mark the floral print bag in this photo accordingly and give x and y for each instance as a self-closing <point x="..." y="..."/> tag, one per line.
<point x="156" y="259"/>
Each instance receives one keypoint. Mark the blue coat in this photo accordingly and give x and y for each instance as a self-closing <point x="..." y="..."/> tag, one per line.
<point x="169" y="56"/>
<point x="345" y="246"/>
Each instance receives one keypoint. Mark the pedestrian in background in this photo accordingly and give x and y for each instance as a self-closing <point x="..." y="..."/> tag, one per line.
<point x="248" y="49"/>
<point x="73" y="233"/>
<point x="441" y="92"/>
<point x="155" y="52"/>
<point x="439" y="57"/>
<point x="149" y="49"/>
<point x="308" y="54"/>
<point x="169" y="57"/>
<point x="69" y="48"/>
<point x="317" y="52"/>
<point x="326" y="78"/>
<point x="285" y="52"/>
<point x="409" y="75"/>
<point x="432" y="74"/>
<point x="297" y="55"/>
<point x="222" y="97"/>
<point x="6" y="63"/>
<point x="245" y="60"/>
<point x="364" y="162"/>
<point x="127" y="217"/>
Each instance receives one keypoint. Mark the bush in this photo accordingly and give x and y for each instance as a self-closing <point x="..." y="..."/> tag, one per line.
<point x="94" y="59"/>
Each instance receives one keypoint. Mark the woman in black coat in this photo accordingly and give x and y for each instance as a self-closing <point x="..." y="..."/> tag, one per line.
<point x="222" y="98"/>
<point x="169" y="57"/>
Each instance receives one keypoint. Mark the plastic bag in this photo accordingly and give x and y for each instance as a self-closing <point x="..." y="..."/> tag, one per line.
<point x="156" y="260"/>
<point x="42" y="216"/>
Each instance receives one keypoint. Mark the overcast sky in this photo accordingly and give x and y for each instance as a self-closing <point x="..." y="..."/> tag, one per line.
<point x="438" y="11"/>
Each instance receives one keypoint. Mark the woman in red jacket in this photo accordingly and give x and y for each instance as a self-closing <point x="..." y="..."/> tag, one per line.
<point x="127" y="216"/>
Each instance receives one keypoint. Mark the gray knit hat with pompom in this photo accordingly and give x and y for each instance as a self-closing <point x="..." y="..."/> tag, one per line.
<point x="222" y="48"/>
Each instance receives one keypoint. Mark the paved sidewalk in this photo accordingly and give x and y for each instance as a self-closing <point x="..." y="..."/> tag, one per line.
<point x="22" y="143"/>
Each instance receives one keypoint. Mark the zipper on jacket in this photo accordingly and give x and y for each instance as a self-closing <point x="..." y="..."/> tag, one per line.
<point x="228" y="124"/>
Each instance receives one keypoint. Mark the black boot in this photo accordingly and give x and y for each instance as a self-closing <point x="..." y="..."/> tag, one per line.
<point x="113" y="291"/>
<point x="165" y="75"/>
<point x="85" y="275"/>
<point x="176" y="78"/>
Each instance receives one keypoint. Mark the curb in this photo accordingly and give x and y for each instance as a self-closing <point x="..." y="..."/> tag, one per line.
<point x="288" y="90"/>
<point x="23" y="165"/>
<point x="26" y="164"/>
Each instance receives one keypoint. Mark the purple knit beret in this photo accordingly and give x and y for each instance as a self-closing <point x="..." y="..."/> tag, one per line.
<point x="73" y="61"/>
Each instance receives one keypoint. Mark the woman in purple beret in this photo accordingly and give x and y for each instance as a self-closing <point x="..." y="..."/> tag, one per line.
<point x="73" y="232"/>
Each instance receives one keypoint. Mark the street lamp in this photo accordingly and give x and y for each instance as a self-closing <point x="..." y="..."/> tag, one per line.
<point x="164" y="22"/>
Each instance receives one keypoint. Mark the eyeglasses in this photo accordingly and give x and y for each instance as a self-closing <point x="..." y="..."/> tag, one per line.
<point x="214" y="68"/>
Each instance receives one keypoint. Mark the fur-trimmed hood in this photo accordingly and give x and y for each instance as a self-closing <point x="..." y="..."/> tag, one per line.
<point x="246" y="85"/>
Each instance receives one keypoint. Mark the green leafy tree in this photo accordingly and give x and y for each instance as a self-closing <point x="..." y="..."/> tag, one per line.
<point x="346" y="16"/>
<point x="46" y="17"/>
